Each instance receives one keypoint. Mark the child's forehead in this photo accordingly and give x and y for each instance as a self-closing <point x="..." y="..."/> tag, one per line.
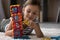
<point x="32" y="7"/>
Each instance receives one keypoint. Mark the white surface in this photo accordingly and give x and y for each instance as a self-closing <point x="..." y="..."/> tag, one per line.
<point x="48" y="30"/>
<point x="51" y="32"/>
<point x="3" y="37"/>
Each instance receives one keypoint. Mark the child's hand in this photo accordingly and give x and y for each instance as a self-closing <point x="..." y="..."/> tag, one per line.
<point x="32" y="24"/>
<point x="10" y="18"/>
<point x="36" y="27"/>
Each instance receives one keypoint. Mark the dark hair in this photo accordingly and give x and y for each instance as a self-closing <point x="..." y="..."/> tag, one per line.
<point x="32" y="2"/>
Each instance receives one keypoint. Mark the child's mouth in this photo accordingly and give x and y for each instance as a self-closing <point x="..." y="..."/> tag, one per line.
<point x="30" y="18"/>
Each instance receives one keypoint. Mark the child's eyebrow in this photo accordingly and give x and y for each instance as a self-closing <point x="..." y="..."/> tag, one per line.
<point x="29" y="10"/>
<point x="33" y="11"/>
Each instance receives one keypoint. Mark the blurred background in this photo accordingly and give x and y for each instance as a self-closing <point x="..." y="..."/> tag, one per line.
<point x="49" y="15"/>
<point x="50" y="10"/>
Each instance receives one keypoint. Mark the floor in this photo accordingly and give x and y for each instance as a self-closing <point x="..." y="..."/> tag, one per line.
<point x="50" y="25"/>
<point x="48" y="29"/>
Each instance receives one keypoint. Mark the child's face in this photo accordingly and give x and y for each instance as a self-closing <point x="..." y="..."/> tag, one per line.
<point x="31" y="12"/>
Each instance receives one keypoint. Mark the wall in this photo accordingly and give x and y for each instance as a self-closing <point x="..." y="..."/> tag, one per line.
<point x="6" y="6"/>
<point x="1" y="11"/>
<point x="53" y="9"/>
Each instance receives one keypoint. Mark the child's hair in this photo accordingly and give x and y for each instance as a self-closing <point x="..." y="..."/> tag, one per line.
<point x="32" y="2"/>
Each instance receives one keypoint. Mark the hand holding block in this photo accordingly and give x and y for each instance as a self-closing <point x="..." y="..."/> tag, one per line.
<point x="26" y="22"/>
<point x="16" y="21"/>
<point x="17" y="27"/>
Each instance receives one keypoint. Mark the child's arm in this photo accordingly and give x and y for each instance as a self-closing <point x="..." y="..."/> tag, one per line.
<point x="36" y="28"/>
<point x="38" y="31"/>
<point x="9" y="30"/>
<point x="9" y="33"/>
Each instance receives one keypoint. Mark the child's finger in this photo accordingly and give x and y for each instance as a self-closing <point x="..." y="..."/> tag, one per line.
<point x="10" y="18"/>
<point x="31" y="24"/>
<point x="26" y="22"/>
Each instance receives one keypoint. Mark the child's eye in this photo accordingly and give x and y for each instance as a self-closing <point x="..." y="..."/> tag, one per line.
<point x="34" y="13"/>
<point x="28" y="11"/>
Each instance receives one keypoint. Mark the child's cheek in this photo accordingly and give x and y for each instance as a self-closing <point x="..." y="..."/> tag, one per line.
<point x="26" y="15"/>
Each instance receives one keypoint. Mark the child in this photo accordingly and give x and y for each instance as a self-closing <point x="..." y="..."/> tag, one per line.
<point x="31" y="10"/>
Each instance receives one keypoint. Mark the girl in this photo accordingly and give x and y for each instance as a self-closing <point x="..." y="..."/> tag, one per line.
<point x="31" y="10"/>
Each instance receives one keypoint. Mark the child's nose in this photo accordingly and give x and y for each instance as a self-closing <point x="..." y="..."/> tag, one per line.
<point x="31" y="14"/>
